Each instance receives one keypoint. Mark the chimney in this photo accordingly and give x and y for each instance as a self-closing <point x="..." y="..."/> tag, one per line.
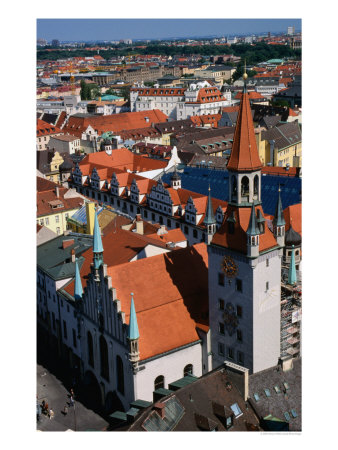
<point x="139" y="224"/>
<point x="160" y="409"/>
<point x="287" y="363"/>
<point x="239" y="376"/>
<point x="57" y="191"/>
<point x="72" y="254"/>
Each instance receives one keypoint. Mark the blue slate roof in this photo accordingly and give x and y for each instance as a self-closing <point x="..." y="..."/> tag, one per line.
<point x="198" y="180"/>
<point x="80" y="215"/>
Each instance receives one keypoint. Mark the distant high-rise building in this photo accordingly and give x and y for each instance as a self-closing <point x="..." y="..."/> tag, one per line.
<point x="55" y="43"/>
<point x="41" y="42"/>
<point x="291" y="31"/>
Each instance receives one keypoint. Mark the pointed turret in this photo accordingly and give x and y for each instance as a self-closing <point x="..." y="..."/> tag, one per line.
<point x="278" y="222"/>
<point x="78" y="291"/>
<point x="97" y="245"/>
<point x="209" y="219"/>
<point x="292" y="276"/>
<point x="133" y="332"/>
<point x="133" y="336"/>
<point x="253" y="234"/>
<point x="175" y="180"/>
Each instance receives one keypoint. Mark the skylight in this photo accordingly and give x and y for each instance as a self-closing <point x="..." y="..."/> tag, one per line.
<point x="267" y="392"/>
<point x="236" y="410"/>
<point x="286" y="385"/>
<point x="293" y="413"/>
<point x="256" y="397"/>
<point x="287" y="416"/>
<point x="277" y="390"/>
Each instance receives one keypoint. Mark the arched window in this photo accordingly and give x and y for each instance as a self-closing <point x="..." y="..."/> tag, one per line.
<point x="90" y="349"/>
<point x="120" y="374"/>
<point x="245" y="186"/>
<point x="159" y="382"/>
<point x="104" y="358"/>
<point x="188" y="370"/>
<point x="160" y="219"/>
<point x="256" y="185"/>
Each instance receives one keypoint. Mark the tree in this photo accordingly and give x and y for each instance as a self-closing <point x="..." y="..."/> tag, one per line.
<point x="125" y="92"/>
<point x="85" y="91"/>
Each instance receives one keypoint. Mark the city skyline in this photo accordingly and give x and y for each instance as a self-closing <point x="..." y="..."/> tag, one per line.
<point x="137" y="29"/>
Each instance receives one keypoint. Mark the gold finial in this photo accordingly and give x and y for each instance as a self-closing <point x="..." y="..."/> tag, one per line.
<point x="245" y="75"/>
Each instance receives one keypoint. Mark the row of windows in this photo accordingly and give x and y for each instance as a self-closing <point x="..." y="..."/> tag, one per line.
<point x="221" y="330"/>
<point x="238" y="282"/>
<point x="230" y="353"/>
<point x="221" y="306"/>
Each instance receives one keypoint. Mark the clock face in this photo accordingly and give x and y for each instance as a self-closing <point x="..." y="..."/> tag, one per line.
<point x="229" y="267"/>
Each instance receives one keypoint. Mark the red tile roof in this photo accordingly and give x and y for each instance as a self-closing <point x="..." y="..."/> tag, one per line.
<point x="238" y="240"/>
<point x="253" y="95"/>
<point x="49" y="203"/>
<point x="45" y="129"/>
<point x="293" y="214"/>
<point x="207" y="119"/>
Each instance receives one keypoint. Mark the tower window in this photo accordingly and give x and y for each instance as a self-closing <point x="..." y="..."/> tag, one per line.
<point x="188" y="370"/>
<point x="221" y="327"/>
<point x="239" y="311"/>
<point x="221" y="279"/>
<point x="267" y="286"/>
<point x="221" y="349"/>
<point x="267" y="263"/>
<point x="239" y="336"/>
<point x="240" y="358"/>
<point x="221" y="303"/>
<point x="238" y="285"/>
<point x="230" y="353"/>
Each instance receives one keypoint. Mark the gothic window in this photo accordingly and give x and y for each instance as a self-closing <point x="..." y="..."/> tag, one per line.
<point x="245" y="186"/>
<point x="188" y="370"/>
<point x="90" y="349"/>
<point x="120" y="374"/>
<point x="159" y="382"/>
<point x="256" y="184"/>
<point x="104" y="358"/>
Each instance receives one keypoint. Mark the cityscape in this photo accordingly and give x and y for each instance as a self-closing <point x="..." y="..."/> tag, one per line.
<point x="169" y="225"/>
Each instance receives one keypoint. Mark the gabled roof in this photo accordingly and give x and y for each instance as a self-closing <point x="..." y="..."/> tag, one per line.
<point x="45" y="129"/>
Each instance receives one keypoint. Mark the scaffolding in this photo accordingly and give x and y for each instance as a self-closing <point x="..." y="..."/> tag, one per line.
<point x="290" y="337"/>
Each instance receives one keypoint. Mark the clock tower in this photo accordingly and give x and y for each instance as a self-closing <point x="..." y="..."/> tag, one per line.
<point x="245" y="263"/>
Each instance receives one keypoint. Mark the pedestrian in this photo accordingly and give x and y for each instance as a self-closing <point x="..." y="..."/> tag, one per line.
<point x="65" y="410"/>
<point x="72" y="393"/>
<point x="51" y="414"/>
<point x="71" y="401"/>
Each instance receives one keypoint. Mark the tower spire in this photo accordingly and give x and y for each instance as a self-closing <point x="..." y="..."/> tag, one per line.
<point x="209" y="219"/>
<point x="133" y="332"/>
<point x="78" y="291"/>
<point x="253" y="229"/>
<point x="292" y="276"/>
<point x="97" y="245"/>
<point x="278" y="219"/>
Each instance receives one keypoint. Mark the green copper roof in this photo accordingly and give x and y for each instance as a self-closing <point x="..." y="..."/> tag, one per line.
<point x="209" y="213"/>
<point x="97" y="247"/>
<point x="292" y="278"/>
<point x="133" y="332"/>
<point x="78" y="291"/>
<point x="253" y="229"/>
<point x="278" y="219"/>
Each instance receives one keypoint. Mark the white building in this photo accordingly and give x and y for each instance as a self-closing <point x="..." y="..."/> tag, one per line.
<point x="180" y="103"/>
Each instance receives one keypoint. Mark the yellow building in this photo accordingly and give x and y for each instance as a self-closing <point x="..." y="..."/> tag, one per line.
<point x="83" y="220"/>
<point x="280" y="145"/>
<point x="55" y="204"/>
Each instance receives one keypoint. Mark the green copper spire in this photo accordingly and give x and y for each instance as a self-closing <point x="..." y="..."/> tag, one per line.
<point x="253" y="229"/>
<point x="97" y="246"/>
<point x="78" y="291"/>
<point x="292" y="278"/>
<point x="278" y="219"/>
<point x="209" y="213"/>
<point x="133" y="332"/>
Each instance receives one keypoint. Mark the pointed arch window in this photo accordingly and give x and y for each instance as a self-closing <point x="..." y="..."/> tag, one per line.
<point x="90" y="349"/>
<point x="245" y="186"/>
<point x="104" y="358"/>
<point x="256" y="186"/>
<point x="234" y="188"/>
<point x="120" y="374"/>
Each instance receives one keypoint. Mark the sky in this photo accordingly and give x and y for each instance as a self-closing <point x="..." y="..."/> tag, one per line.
<point x="115" y="29"/>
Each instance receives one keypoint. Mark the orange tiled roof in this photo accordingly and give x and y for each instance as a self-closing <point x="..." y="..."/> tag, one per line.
<point x="170" y="293"/>
<point x="114" y="122"/>
<point x="293" y="214"/>
<point x="167" y="92"/>
<point x="244" y="154"/>
<point x="44" y="128"/>
<point x="49" y="203"/>
<point x="238" y="240"/>
<point x="252" y="95"/>
<point x="207" y="119"/>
